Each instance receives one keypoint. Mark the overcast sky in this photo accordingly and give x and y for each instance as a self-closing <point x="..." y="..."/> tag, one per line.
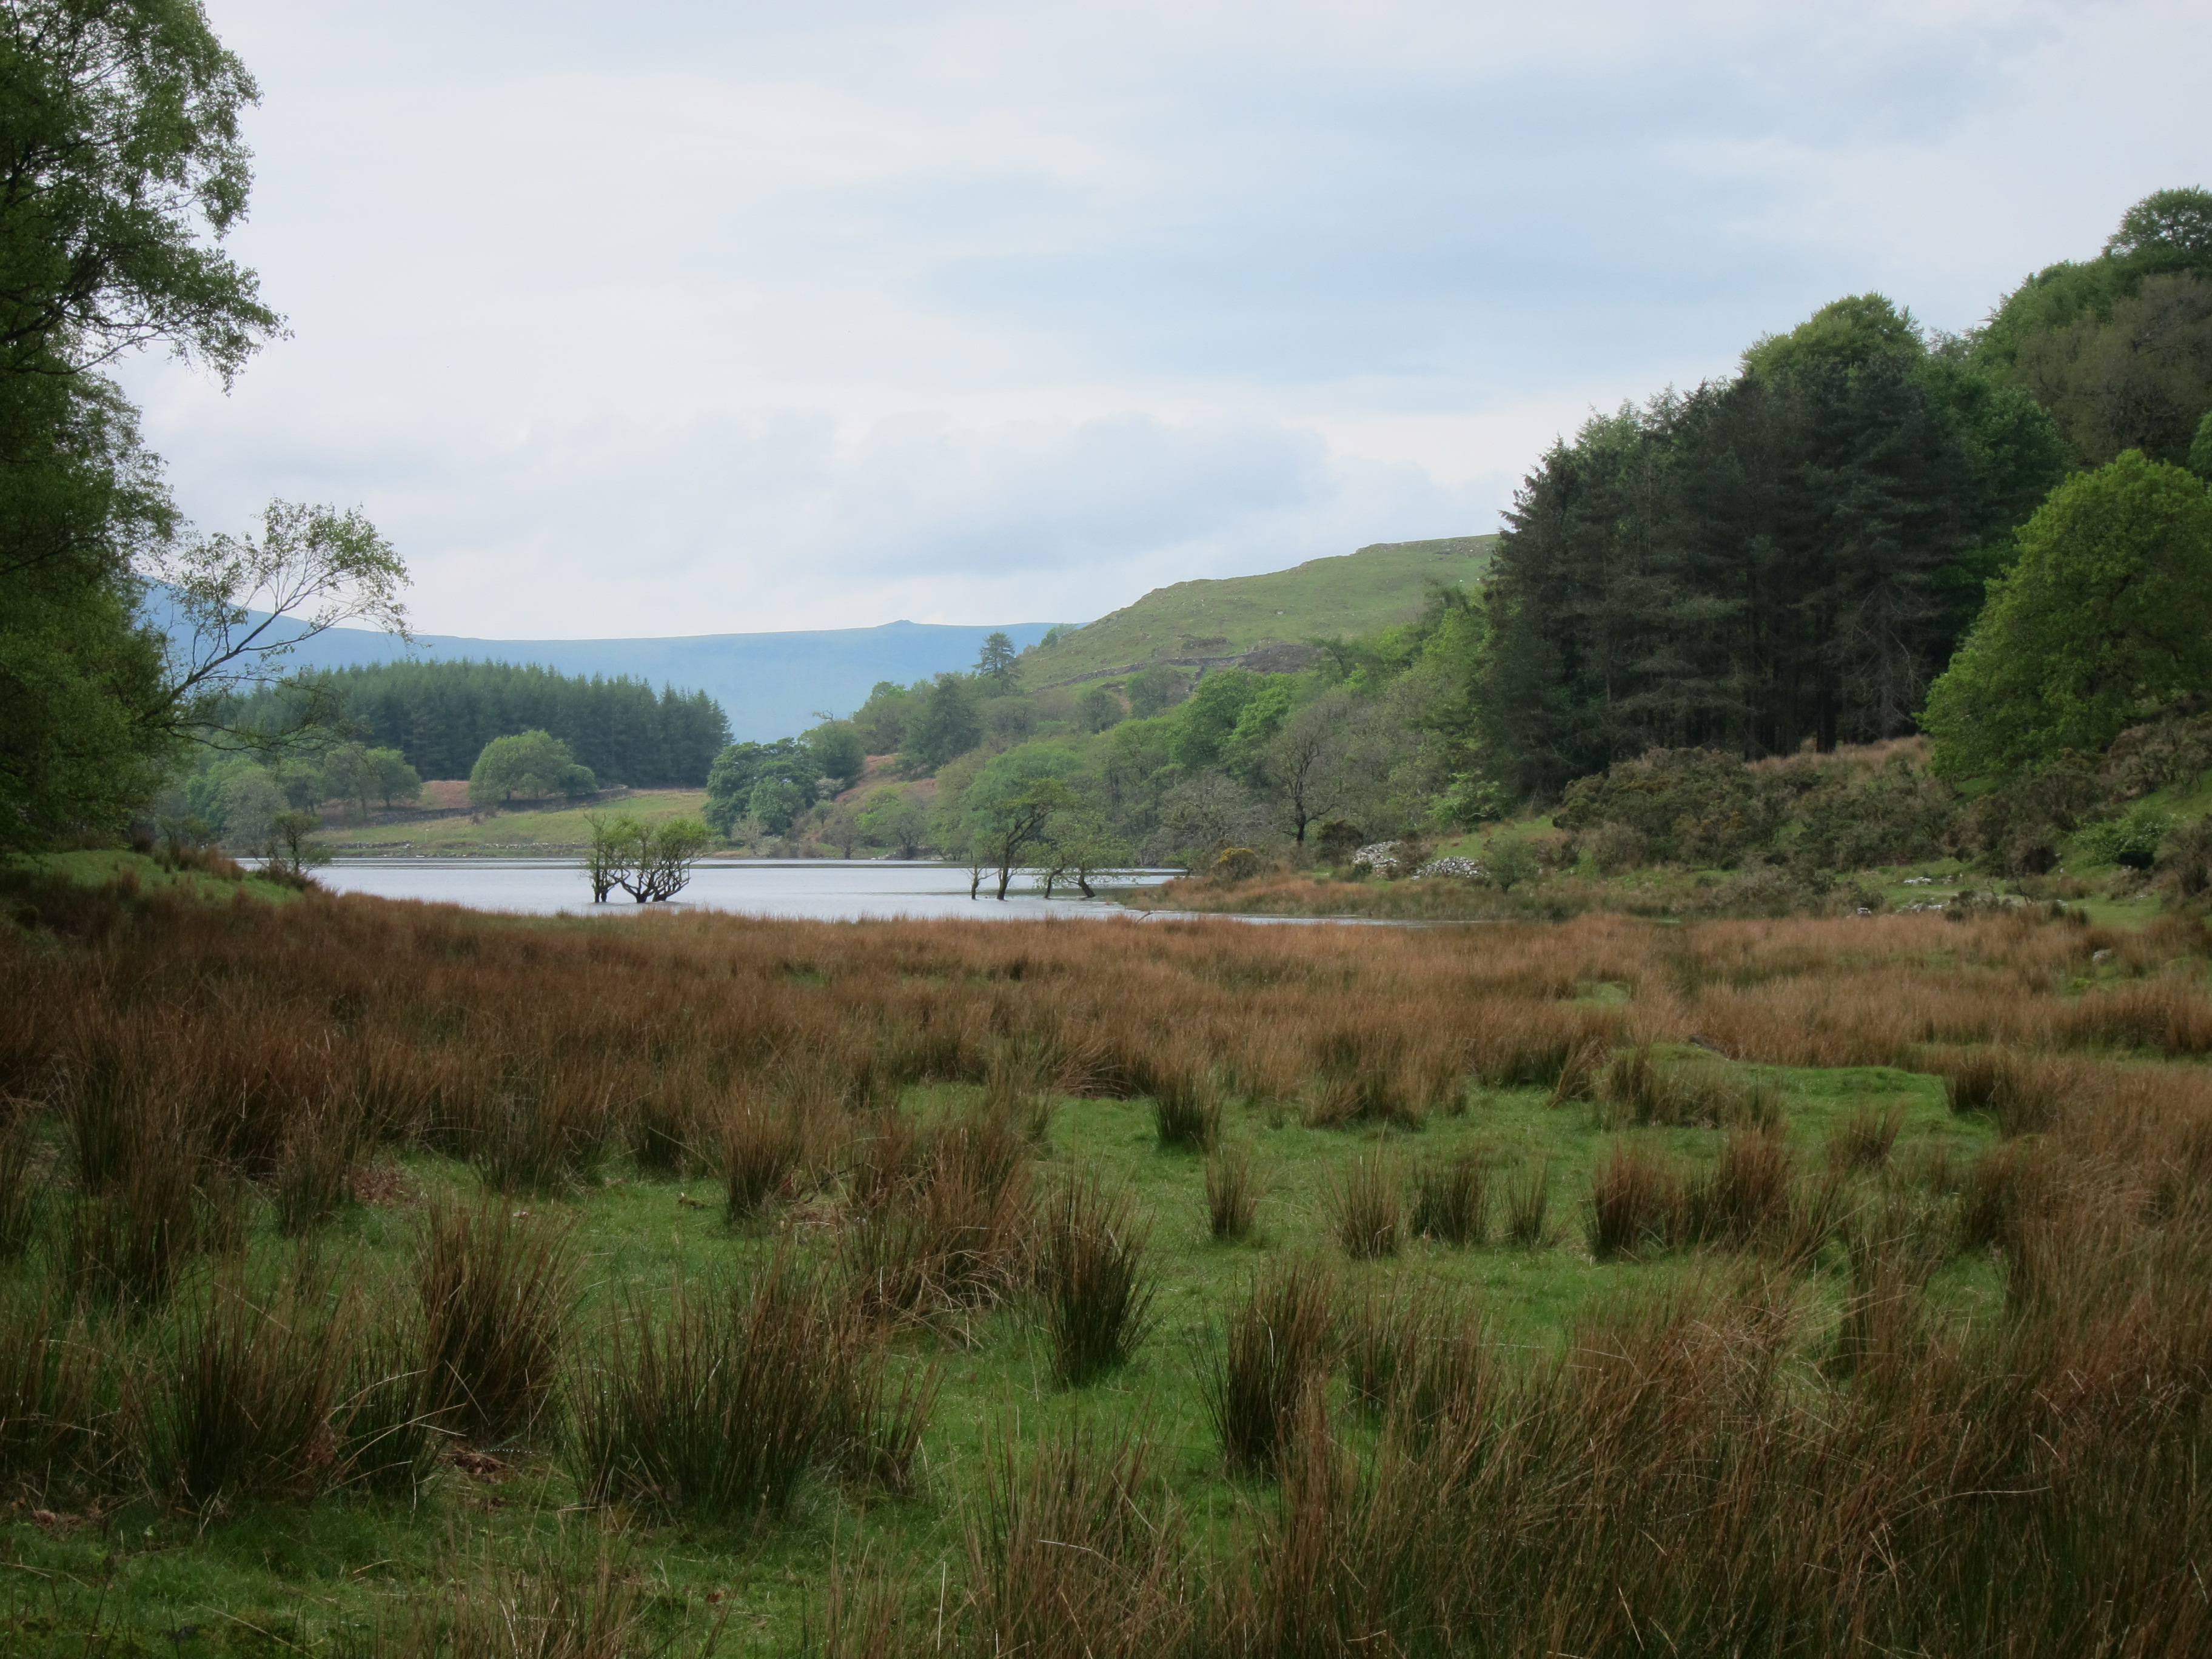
<point x="677" y="318"/>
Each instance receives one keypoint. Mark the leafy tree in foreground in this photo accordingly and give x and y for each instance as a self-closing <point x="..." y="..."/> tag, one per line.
<point x="2107" y="616"/>
<point x="650" y="862"/>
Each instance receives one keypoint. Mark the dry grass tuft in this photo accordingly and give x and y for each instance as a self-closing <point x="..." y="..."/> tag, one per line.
<point x="498" y="1287"/>
<point x="1232" y="1192"/>
<point x="1451" y="1200"/>
<point x="1366" y="1205"/>
<point x="1276" y="1351"/>
<point x="1097" y="1289"/>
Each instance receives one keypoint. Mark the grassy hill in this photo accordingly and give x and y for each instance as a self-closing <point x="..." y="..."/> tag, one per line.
<point x="1259" y="620"/>
<point x="522" y="831"/>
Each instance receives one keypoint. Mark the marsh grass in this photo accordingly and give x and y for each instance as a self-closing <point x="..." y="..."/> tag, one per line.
<point x="1075" y="1549"/>
<point x="1527" y="1207"/>
<point x="723" y="1405"/>
<point x="248" y="1376"/>
<point x="1187" y="1106"/>
<point x="1366" y="1205"/>
<point x="498" y="1288"/>
<point x="1451" y="1200"/>
<point x="1278" y="1342"/>
<point x="1232" y="1192"/>
<point x="1093" y="1278"/>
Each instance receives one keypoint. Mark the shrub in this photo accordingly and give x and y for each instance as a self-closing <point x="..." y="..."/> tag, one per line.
<point x="1098" y="1291"/>
<point x="1275" y="1350"/>
<point x="1232" y="1192"/>
<point x="1365" y="1207"/>
<point x="1451" y="1200"/>
<point x="497" y="1290"/>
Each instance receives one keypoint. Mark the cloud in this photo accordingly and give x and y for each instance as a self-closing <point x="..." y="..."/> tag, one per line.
<point x="758" y="315"/>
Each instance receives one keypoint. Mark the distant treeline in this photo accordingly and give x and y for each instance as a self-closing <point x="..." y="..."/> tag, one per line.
<point x="439" y="716"/>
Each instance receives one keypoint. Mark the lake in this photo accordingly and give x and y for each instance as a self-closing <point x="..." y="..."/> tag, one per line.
<point x="821" y="890"/>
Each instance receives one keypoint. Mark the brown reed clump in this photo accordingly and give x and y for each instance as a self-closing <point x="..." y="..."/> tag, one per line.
<point x="1636" y="1201"/>
<point x="384" y="1440"/>
<point x="1097" y="1289"/>
<point x="1075" y="1549"/>
<point x="1366" y="1207"/>
<point x="1864" y="1140"/>
<point x="315" y="1164"/>
<point x="59" y="1397"/>
<point x="22" y="1185"/>
<point x="497" y="1287"/>
<point x="545" y="1604"/>
<point x="1186" y="1105"/>
<point x="956" y="1231"/>
<point x="2023" y="1092"/>
<point x="1276" y="1350"/>
<point x="1418" y="1358"/>
<point x="1451" y="1200"/>
<point x="1744" y="1199"/>
<point x="248" y="1379"/>
<point x="727" y="1402"/>
<point x="763" y="1148"/>
<point x="1528" y="1206"/>
<point x="1232" y="1192"/>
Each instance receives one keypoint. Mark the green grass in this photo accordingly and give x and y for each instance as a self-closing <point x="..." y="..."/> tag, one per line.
<point x="527" y="829"/>
<point x="1352" y="594"/>
<point x="275" y="1576"/>
<point x="99" y="867"/>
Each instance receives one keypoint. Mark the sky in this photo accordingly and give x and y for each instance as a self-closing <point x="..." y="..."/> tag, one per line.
<point x="702" y="316"/>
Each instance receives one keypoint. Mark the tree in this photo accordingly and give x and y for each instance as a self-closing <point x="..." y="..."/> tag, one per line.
<point x="743" y="767"/>
<point x="1078" y="845"/>
<point x="1007" y="828"/>
<point x="395" y="780"/>
<point x="1099" y="709"/>
<point x="1154" y="690"/>
<point x="290" y="849"/>
<point x="2107" y="616"/>
<point x="650" y="862"/>
<point x="244" y="605"/>
<point x="895" y="817"/>
<point x="842" y="828"/>
<point x="776" y="802"/>
<point x="995" y="662"/>
<point x="945" y="726"/>
<point x="837" y="752"/>
<point x="1305" y="762"/>
<point x="533" y="764"/>
<point x="2166" y="221"/>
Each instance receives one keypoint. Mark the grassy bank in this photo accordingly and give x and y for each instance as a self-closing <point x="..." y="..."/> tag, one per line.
<point x="517" y="833"/>
<point x="388" y="1277"/>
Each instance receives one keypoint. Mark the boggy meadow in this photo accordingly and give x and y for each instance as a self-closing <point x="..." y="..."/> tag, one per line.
<point x="1804" y="1286"/>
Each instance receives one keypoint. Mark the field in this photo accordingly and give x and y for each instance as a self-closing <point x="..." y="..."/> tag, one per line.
<point x="386" y="1278"/>
<point x="1353" y="594"/>
<point x="523" y="832"/>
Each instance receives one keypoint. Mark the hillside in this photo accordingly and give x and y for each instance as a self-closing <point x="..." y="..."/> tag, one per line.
<point x="768" y="684"/>
<point x="1259" y="620"/>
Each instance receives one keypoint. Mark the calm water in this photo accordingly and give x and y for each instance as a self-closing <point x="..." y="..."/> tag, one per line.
<point x="822" y="890"/>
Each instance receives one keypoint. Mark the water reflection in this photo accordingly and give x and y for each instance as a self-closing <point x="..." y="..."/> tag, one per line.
<point x="822" y="889"/>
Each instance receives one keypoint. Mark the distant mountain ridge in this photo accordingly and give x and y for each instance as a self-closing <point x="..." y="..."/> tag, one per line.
<point x="1261" y="622"/>
<point x="770" y="685"/>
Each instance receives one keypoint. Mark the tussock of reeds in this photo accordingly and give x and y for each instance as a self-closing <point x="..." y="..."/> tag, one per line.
<point x="1366" y="1205"/>
<point x="1232" y="1192"/>
<point x="1092" y="1274"/>
<point x="1186" y="1105"/>
<point x="952" y="1228"/>
<point x="1451" y="1200"/>
<point x="1277" y="1345"/>
<point x="1075" y="1550"/>
<point x="727" y="1402"/>
<point x="1528" y="1206"/>
<point x="498" y="1287"/>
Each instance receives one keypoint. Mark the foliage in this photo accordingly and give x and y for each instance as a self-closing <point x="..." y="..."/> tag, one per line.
<point x="650" y="862"/>
<point x="894" y="817"/>
<point x="2107" y="616"/>
<point x="1761" y="561"/>
<point x="739" y="769"/>
<point x="532" y="764"/>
